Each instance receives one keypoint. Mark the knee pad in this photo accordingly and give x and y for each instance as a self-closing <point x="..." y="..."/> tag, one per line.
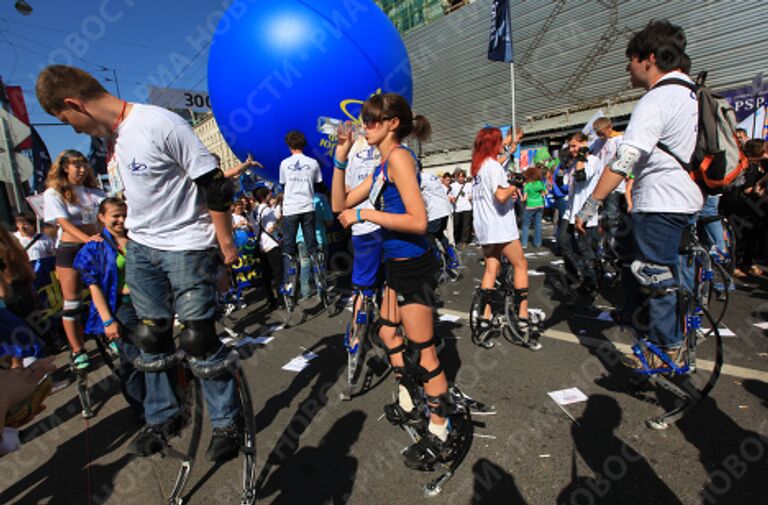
<point x="424" y="375"/>
<point x="154" y="336"/>
<point x="199" y="338"/>
<point x="652" y="277"/>
<point x="71" y="309"/>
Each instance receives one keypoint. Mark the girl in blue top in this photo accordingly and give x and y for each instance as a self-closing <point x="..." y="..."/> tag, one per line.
<point x="411" y="268"/>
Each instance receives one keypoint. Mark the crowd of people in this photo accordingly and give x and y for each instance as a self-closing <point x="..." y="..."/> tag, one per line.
<point x="155" y="253"/>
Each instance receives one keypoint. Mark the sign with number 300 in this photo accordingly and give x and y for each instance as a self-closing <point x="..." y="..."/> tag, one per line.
<point x="172" y="98"/>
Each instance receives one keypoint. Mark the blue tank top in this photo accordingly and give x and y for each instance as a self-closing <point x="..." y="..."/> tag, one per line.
<point x="397" y="244"/>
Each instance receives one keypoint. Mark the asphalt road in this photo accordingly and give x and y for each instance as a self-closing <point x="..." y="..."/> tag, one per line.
<point x="315" y="449"/>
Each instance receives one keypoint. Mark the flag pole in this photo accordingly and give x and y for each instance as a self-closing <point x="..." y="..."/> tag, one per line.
<point x="512" y="82"/>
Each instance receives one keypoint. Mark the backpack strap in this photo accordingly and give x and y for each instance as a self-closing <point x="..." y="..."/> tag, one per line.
<point x="262" y="229"/>
<point x="32" y="242"/>
<point x="661" y="145"/>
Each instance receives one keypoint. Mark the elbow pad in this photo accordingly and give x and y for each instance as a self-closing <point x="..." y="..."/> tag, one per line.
<point x="625" y="160"/>
<point x="218" y="190"/>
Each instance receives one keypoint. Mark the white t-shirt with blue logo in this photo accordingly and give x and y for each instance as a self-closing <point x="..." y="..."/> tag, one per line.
<point x="435" y="197"/>
<point x="362" y="163"/>
<point x="668" y="114"/>
<point x="158" y="156"/>
<point x="494" y="222"/>
<point x="298" y="175"/>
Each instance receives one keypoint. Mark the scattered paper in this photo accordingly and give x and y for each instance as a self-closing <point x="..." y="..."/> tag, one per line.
<point x="254" y="341"/>
<point x="723" y="330"/>
<point x="456" y="292"/>
<point x="450" y="318"/>
<point x="557" y="262"/>
<point x="296" y="364"/>
<point x="567" y="396"/>
<point x="743" y="407"/>
<point x="309" y="356"/>
<point x="275" y="327"/>
<point x="604" y="316"/>
<point x="582" y="332"/>
<point x="545" y="455"/>
<point x="535" y="273"/>
<point x="762" y="326"/>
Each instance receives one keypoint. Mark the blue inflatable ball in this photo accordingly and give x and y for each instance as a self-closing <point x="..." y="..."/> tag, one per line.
<point x="278" y="65"/>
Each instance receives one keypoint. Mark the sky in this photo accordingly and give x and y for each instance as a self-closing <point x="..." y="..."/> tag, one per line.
<point x="158" y="42"/>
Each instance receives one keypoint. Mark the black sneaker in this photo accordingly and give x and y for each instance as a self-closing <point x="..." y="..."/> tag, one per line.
<point x="398" y="416"/>
<point x="225" y="444"/>
<point x="427" y="452"/>
<point x="151" y="439"/>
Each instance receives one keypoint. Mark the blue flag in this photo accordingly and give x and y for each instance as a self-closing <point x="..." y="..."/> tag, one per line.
<point x="500" y="44"/>
<point x="41" y="162"/>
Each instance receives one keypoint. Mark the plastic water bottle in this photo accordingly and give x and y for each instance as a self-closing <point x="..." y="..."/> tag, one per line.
<point x="330" y="126"/>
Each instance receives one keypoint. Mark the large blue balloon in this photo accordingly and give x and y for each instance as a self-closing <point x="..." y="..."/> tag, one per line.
<point x="279" y="65"/>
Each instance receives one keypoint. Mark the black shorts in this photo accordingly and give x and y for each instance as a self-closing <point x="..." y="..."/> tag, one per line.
<point x="414" y="280"/>
<point x="66" y="252"/>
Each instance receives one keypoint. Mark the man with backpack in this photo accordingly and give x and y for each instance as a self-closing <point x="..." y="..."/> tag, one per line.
<point x="662" y="130"/>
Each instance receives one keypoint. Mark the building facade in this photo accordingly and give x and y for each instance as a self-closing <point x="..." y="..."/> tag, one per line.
<point x="208" y="132"/>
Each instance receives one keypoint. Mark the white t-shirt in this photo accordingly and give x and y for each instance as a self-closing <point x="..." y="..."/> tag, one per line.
<point x="606" y="151"/>
<point x="44" y="247"/>
<point x="298" y="175"/>
<point x="239" y="221"/>
<point x="158" y="156"/>
<point x="362" y="163"/>
<point x="580" y="191"/>
<point x="435" y="197"/>
<point x="463" y="193"/>
<point x="668" y="114"/>
<point x="494" y="221"/>
<point x="265" y="220"/>
<point x="84" y="212"/>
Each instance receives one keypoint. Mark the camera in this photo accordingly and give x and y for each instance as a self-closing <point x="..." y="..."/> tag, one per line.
<point x="582" y="154"/>
<point x="579" y="175"/>
<point x="517" y="179"/>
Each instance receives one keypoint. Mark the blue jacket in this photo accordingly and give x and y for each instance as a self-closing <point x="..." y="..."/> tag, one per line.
<point x="97" y="264"/>
<point x="559" y="191"/>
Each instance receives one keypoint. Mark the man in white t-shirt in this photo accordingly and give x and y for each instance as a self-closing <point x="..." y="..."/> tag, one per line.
<point x="180" y="226"/>
<point x="605" y="148"/>
<point x="439" y="209"/>
<point x="37" y="245"/>
<point x="665" y="198"/>
<point x="580" y="252"/>
<point x="461" y="198"/>
<point x="298" y="175"/>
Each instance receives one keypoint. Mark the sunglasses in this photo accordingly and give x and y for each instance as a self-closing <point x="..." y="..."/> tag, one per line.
<point x="369" y="122"/>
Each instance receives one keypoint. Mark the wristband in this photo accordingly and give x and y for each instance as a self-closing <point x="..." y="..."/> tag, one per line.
<point x="589" y="210"/>
<point x="108" y="322"/>
<point x="340" y="165"/>
<point x="359" y="219"/>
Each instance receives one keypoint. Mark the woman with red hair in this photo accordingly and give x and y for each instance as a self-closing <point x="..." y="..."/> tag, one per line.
<point x="496" y="229"/>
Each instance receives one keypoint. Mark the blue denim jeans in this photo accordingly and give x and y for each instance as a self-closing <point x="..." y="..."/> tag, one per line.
<point x="184" y="282"/>
<point x="290" y="227"/>
<point x="532" y="215"/>
<point x="306" y="277"/>
<point x="131" y="380"/>
<point x="714" y="229"/>
<point x="657" y="241"/>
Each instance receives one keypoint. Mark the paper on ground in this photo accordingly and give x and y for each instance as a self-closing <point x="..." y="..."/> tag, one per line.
<point x="724" y="331"/>
<point x="557" y="262"/>
<point x="449" y="318"/>
<point x="255" y="341"/>
<point x="567" y="396"/>
<point x="762" y="326"/>
<point x="604" y="316"/>
<point x="296" y="364"/>
<point x="535" y="273"/>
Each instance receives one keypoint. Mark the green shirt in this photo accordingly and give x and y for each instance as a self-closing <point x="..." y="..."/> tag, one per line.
<point x="535" y="193"/>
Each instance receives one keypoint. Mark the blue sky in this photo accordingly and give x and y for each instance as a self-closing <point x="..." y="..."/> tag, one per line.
<point x="146" y="42"/>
